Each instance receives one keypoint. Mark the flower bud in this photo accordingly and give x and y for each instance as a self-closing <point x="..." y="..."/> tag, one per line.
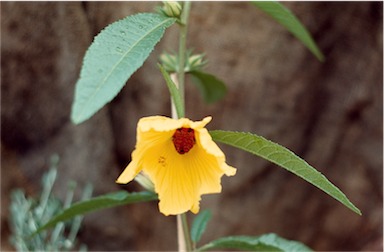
<point x="169" y="62"/>
<point x="195" y="62"/>
<point x="172" y="8"/>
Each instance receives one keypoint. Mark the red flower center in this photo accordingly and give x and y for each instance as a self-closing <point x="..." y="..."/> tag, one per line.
<point x="183" y="140"/>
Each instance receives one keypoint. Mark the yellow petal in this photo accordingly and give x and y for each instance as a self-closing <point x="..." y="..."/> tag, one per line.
<point x="200" y="124"/>
<point x="166" y="168"/>
<point x="162" y="123"/>
<point x="179" y="179"/>
<point x="129" y="173"/>
<point x="195" y="207"/>
<point x="159" y="123"/>
<point x="229" y="170"/>
<point x="205" y="141"/>
<point x="147" y="137"/>
<point x="204" y="170"/>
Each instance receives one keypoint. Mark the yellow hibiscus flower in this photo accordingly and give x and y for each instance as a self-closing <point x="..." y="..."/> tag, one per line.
<point x="180" y="158"/>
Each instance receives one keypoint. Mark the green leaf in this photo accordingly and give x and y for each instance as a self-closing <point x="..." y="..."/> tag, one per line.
<point x="114" y="55"/>
<point x="199" y="225"/>
<point x="267" y="242"/>
<point x="210" y="86"/>
<point x="283" y="157"/>
<point x="101" y="202"/>
<point x="286" y="18"/>
<point x="174" y="91"/>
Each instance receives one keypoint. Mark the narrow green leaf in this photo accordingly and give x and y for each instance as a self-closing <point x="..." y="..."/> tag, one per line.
<point x="210" y="86"/>
<point x="101" y="202"/>
<point x="266" y="242"/>
<point x="175" y="94"/>
<point x="114" y="55"/>
<point x="283" y="157"/>
<point x="199" y="225"/>
<point x="286" y="18"/>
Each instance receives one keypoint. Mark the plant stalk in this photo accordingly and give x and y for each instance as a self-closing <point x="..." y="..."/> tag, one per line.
<point x="182" y="47"/>
<point x="184" y="240"/>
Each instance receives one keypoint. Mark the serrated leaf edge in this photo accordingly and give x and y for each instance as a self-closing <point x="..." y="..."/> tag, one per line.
<point x="342" y="200"/>
<point x="75" y="118"/>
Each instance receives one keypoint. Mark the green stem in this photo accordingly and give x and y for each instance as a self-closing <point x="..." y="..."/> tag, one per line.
<point x="182" y="47"/>
<point x="186" y="232"/>
<point x="184" y="242"/>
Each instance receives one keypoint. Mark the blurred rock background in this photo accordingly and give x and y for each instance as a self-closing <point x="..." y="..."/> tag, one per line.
<point x="330" y="114"/>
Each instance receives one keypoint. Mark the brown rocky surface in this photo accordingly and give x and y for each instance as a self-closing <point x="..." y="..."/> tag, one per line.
<point x="329" y="113"/>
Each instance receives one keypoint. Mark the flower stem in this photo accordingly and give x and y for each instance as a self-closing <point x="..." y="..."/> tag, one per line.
<point x="182" y="47"/>
<point x="184" y="240"/>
